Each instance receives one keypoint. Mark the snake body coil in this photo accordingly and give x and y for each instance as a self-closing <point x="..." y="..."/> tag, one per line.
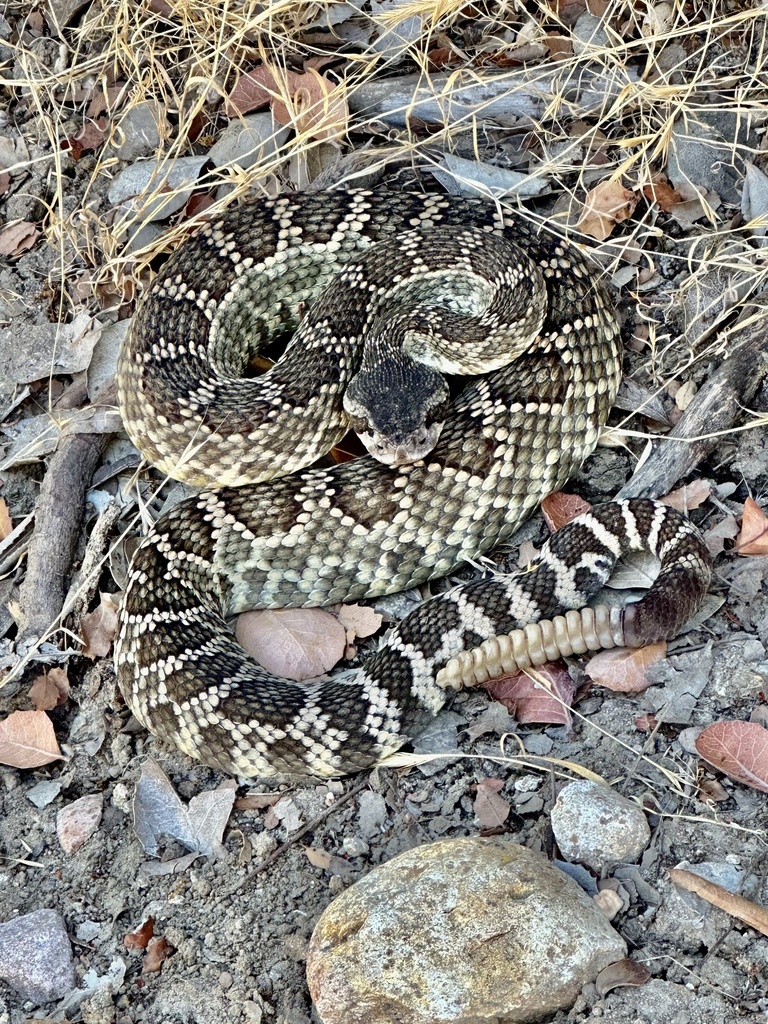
<point x="361" y="529"/>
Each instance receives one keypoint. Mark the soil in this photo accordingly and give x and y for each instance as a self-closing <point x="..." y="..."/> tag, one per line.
<point x="239" y="921"/>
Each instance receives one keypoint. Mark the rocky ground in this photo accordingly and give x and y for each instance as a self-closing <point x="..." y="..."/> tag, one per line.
<point x="233" y="874"/>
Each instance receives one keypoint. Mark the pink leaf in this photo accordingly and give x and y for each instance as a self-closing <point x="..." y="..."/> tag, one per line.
<point x="296" y="643"/>
<point x="739" y="749"/>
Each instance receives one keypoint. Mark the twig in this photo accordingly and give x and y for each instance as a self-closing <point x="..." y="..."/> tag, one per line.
<point x="278" y="853"/>
<point x="58" y="519"/>
<point x="714" y="409"/>
<point x="745" y="910"/>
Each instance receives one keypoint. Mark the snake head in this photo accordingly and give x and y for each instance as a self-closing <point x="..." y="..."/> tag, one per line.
<point x="397" y="409"/>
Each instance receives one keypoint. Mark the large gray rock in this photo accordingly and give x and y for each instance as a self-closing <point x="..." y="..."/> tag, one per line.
<point x="466" y="931"/>
<point x="36" y="956"/>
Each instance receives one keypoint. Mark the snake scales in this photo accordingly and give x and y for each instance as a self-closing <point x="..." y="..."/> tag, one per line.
<point x="334" y="267"/>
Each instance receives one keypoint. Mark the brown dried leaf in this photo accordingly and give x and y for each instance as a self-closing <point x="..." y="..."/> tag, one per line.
<point x="49" y="690"/>
<point x="6" y="523"/>
<point x="623" y="972"/>
<point x="490" y="807"/>
<point x="739" y="749"/>
<point x="139" y="938"/>
<point x="711" y="791"/>
<point x="256" y="801"/>
<point x="91" y="136"/>
<point x="690" y="496"/>
<point x="532" y="701"/>
<point x="662" y="193"/>
<point x="27" y="740"/>
<point x="17" y="237"/>
<point x="318" y="108"/>
<point x="606" y="205"/>
<point x="559" y="508"/>
<point x="624" y="670"/>
<point x="753" y="538"/>
<point x="258" y="88"/>
<point x="158" y="950"/>
<point x="296" y="643"/>
<point x="99" y="628"/>
<point x="320" y="858"/>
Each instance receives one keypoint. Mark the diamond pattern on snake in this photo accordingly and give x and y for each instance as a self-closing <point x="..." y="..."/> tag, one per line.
<point x="389" y="299"/>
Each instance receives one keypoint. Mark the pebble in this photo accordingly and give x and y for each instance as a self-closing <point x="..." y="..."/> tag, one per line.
<point x="254" y="139"/>
<point x="76" y="823"/>
<point x="36" y="957"/>
<point x="458" y="931"/>
<point x="141" y="130"/>
<point x="598" y="827"/>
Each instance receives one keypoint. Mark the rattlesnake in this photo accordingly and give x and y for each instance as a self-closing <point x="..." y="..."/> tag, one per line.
<point x="363" y="529"/>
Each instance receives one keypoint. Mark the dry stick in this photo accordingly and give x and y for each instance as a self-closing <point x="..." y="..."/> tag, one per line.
<point x="745" y="910"/>
<point x="718" y="405"/>
<point x="58" y="520"/>
<point x="292" y="840"/>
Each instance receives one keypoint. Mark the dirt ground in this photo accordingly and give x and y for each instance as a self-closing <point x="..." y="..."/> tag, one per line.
<point x="236" y="923"/>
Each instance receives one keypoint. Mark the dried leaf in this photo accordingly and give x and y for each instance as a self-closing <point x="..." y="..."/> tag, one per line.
<point x="99" y="628"/>
<point x="716" y="536"/>
<point x="624" y="670"/>
<point x="316" y="107"/>
<point x="158" y="811"/>
<point x="320" y="858"/>
<point x="27" y="740"/>
<point x="158" y="950"/>
<point x="662" y="193"/>
<point x="256" y="89"/>
<point x="256" y="801"/>
<point x="92" y="135"/>
<point x="6" y="523"/>
<point x="711" y="791"/>
<point x="284" y="812"/>
<point x="623" y="972"/>
<point x="543" y="696"/>
<point x="753" y="538"/>
<point x="139" y="938"/>
<point x="295" y="643"/>
<point x="358" y="620"/>
<point x="490" y="808"/>
<point x="606" y="205"/>
<point x="76" y="823"/>
<point x="559" y="508"/>
<point x="750" y="913"/>
<point x="739" y="749"/>
<point x="690" y="496"/>
<point x="17" y="237"/>
<point x="496" y="718"/>
<point x="49" y="690"/>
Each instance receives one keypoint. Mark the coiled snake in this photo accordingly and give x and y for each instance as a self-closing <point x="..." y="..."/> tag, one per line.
<point x="419" y="274"/>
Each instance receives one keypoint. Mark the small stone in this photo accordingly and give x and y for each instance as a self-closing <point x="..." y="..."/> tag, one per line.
<point x="36" y="957"/>
<point x="464" y="931"/>
<point x="76" y="823"/>
<point x="372" y="813"/>
<point x="140" y="131"/>
<point x="597" y="826"/>
<point x="254" y="139"/>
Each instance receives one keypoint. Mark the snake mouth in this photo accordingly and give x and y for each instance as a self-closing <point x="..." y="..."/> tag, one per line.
<point x="405" y="450"/>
